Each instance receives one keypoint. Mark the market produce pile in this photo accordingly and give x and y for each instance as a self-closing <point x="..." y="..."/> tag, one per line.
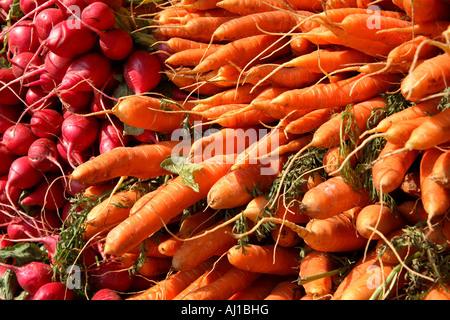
<point x="225" y="150"/>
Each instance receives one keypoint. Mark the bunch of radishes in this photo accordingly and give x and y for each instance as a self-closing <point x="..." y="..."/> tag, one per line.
<point x="61" y="61"/>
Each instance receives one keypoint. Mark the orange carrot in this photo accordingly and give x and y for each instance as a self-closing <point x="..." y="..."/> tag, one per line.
<point x="180" y="44"/>
<point x="150" y="245"/>
<point x="398" y="133"/>
<point x="150" y="267"/>
<point x="239" y="94"/>
<point x="316" y="263"/>
<point x="438" y="292"/>
<point x="285" y="237"/>
<point x="380" y="218"/>
<point x="311" y="121"/>
<point x="207" y="243"/>
<point x="332" y="197"/>
<point x="300" y="45"/>
<point x="429" y="77"/>
<point x="337" y="94"/>
<point x="426" y="10"/>
<point x="245" y="7"/>
<point x="173" y="199"/>
<point x="434" y="131"/>
<point x="411" y="185"/>
<point x="389" y="172"/>
<point x="235" y="188"/>
<point x="169" y="246"/>
<point x="435" y="198"/>
<point x="265" y="259"/>
<point x="387" y="255"/>
<point x="195" y="223"/>
<point x="190" y="83"/>
<point x="168" y="288"/>
<point x="213" y="273"/>
<point x="189" y="57"/>
<point x="441" y="170"/>
<point x="143" y="200"/>
<point x="332" y="160"/>
<point x="141" y="162"/>
<point x="225" y="286"/>
<point x="200" y="5"/>
<point x="258" y="290"/>
<point x="285" y="290"/>
<point x="412" y="211"/>
<point x="311" y="5"/>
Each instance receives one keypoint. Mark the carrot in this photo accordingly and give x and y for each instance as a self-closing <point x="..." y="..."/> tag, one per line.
<point x="379" y="217"/>
<point x="245" y="7"/>
<point x="438" y="292"/>
<point x="200" y="5"/>
<point x="150" y="245"/>
<point x="435" y="198"/>
<point x="389" y="172"/>
<point x="196" y="222"/>
<point x="141" y="162"/>
<point x="168" y="288"/>
<point x="267" y="259"/>
<point x="332" y="95"/>
<point x="111" y="211"/>
<point x="239" y="94"/>
<point x="285" y="237"/>
<point x="300" y="45"/>
<point x="93" y="192"/>
<point x="433" y="131"/>
<point x="173" y="199"/>
<point x="143" y="200"/>
<point x="169" y="246"/>
<point x="235" y="188"/>
<point x="441" y="170"/>
<point x="317" y="264"/>
<point x="411" y="185"/>
<point x="190" y="83"/>
<point x="242" y="51"/>
<point x="322" y="234"/>
<point x="285" y="290"/>
<point x="225" y="286"/>
<point x="402" y="251"/>
<point x="311" y="5"/>
<point x="180" y="44"/>
<point x="208" y="242"/>
<point x="429" y="77"/>
<point x="189" y="57"/>
<point x="258" y="290"/>
<point x="332" y="160"/>
<point x="213" y="273"/>
<point x="426" y="11"/>
<point x="332" y="197"/>
<point x="412" y="211"/>
<point x="150" y="267"/>
<point x="311" y="121"/>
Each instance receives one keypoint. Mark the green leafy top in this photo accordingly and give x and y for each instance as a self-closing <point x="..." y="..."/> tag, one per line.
<point x="181" y="166"/>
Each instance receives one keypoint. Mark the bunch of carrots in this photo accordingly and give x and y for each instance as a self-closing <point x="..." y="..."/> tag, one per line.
<point x="322" y="167"/>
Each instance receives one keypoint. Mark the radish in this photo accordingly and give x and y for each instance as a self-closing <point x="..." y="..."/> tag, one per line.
<point x="111" y="135"/>
<point x="116" y="44"/>
<point x="56" y="66"/>
<point x="46" y="123"/>
<point x="48" y="194"/>
<point x="76" y="101"/>
<point x="11" y="195"/>
<point x="18" y="138"/>
<point x="6" y="158"/>
<point x="27" y="66"/>
<point x="43" y="223"/>
<point x="49" y="242"/>
<point x="27" y="6"/>
<point x="22" y="175"/>
<point x="100" y="103"/>
<point x="46" y="19"/>
<point x="106" y="294"/>
<point x="72" y="187"/>
<point x="79" y="132"/>
<point x="54" y="291"/>
<point x="110" y="275"/>
<point x="35" y="94"/>
<point x="67" y="41"/>
<point x="147" y="136"/>
<point x="142" y="71"/>
<point x="32" y="275"/>
<point x="76" y="157"/>
<point x="5" y="241"/>
<point x="9" y="114"/>
<point x="113" y="4"/>
<point x="99" y="16"/>
<point x="43" y="155"/>
<point x="22" y="37"/>
<point x="11" y="94"/>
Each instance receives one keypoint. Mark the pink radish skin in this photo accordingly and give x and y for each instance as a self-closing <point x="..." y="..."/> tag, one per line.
<point x="27" y="6"/>
<point x="49" y="194"/>
<point x="22" y="37"/>
<point x="72" y="187"/>
<point x="69" y="42"/>
<point x="76" y="157"/>
<point x="54" y="291"/>
<point x="110" y="136"/>
<point x="100" y="103"/>
<point x="46" y="19"/>
<point x="11" y="94"/>
<point x="22" y="175"/>
<point x="27" y="66"/>
<point x="113" y="4"/>
<point x="32" y="275"/>
<point x="99" y="16"/>
<point x="79" y="132"/>
<point x="18" y="138"/>
<point x="76" y="101"/>
<point x="46" y="123"/>
<point x="43" y="155"/>
<point x="56" y="66"/>
<point x="14" y="192"/>
<point x="35" y="94"/>
<point x="106" y="294"/>
<point x="9" y="114"/>
<point x="148" y="136"/>
<point x="142" y="71"/>
<point x="6" y="159"/>
<point x="42" y="224"/>
<point x="110" y="275"/>
<point x="116" y="44"/>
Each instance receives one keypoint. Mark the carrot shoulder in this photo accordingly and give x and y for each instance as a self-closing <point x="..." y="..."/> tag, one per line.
<point x="166" y="204"/>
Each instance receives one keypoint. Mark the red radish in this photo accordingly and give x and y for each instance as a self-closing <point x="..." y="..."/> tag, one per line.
<point x="116" y="44"/>
<point x="13" y="192"/>
<point x="11" y="94"/>
<point x="76" y="157"/>
<point x="67" y="41"/>
<point x="72" y="187"/>
<point x="18" y="138"/>
<point x="99" y="16"/>
<point x="106" y="294"/>
<point x="32" y="275"/>
<point x="110" y="275"/>
<point x="49" y="194"/>
<point x="46" y="19"/>
<point x="72" y="8"/>
<point x="35" y="94"/>
<point x="54" y="291"/>
<point x="148" y="136"/>
<point x="43" y="155"/>
<point x="22" y="37"/>
<point x="99" y="103"/>
<point x="27" y="6"/>
<point x="113" y="4"/>
<point x="6" y="158"/>
<point x="46" y="123"/>
<point x="5" y="241"/>
<point x="56" y="66"/>
<point x="22" y="175"/>
<point x="9" y="114"/>
<point x="142" y="71"/>
<point x="79" y="132"/>
<point x="76" y="101"/>
<point x="111" y="135"/>
<point x="27" y="66"/>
